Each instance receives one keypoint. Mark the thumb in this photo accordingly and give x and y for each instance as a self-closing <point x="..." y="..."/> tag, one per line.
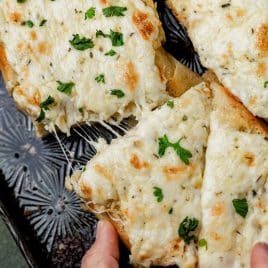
<point x="259" y="256"/>
<point x="104" y="253"/>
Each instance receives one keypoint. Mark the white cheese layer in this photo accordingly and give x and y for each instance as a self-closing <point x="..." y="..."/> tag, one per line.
<point x="231" y="38"/>
<point x="236" y="168"/>
<point x="42" y="55"/>
<point x="125" y="173"/>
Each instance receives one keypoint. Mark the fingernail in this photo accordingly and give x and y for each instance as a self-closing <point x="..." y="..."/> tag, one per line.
<point x="263" y="245"/>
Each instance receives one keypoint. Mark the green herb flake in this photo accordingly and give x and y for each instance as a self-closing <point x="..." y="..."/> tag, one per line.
<point x="100" y="79"/>
<point x="187" y="228"/>
<point x="265" y="84"/>
<point x="28" y="23"/>
<point x="111" y="53"/>
<point x="81" y="110"/>
<point x="158" y="194"/>
<point x="183" y="153"/>
<point x="45" y="104"/>
<point x="21" y="1"/>
<point x="65" y="87"/>
<point x="81" y="43"/>
<point x="203" y="243"/>
<point x="90" y="13"/>
<point x="117" y="92"/>
<point x="115" y="37"/>
<point x="114" y="11"/>
<point x="170" y="104"/>
<point x="100" y="33"/>
<point x="241" y="206"/>
<point x="170" y="211"/>
<point x="42" y="23"/>
<point x="41" y="116"/>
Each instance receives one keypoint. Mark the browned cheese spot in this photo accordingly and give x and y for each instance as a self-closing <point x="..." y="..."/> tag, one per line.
<point x="144" y="26"/>
<point x="218" y="209"/>
<point x="130" y="75"/>
<point x="33" y="35"/>
<point x="215" y="236"/>
<point x="103" y="171"/>
<point x="249" y="159"/>
<point x="137" y="163"/>
<point x="261" y="69"/>
<point x="262" y="38"/>
<point x="35" y="99"/>
<point x="86" y="190"/>
<point x="15" y="17"/>
<point x="44" y="48"/>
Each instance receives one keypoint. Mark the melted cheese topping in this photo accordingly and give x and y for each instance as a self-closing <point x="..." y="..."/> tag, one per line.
<point x="231" y="38"/>
<point x="42" y="55"/>
<point x="236" y="164"/>
<point x="125" y="173"/>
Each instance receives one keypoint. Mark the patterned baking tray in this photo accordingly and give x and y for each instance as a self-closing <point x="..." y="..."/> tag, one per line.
<point x="45" y="220"/>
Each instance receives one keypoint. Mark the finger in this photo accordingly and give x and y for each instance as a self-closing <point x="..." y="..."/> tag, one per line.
<point x="105" y="252"/>
<point x="259" y="256"/>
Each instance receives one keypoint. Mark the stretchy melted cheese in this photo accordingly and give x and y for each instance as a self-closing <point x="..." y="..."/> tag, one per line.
<point x="236" y="168"/>
<point x="121" y="179"/>
<point x="231" y="38"/>
<point x="113" y="73"/>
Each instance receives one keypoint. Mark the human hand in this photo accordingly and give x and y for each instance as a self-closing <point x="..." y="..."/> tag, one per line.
<point x="105" y="251"/>
<point x="259" y="256"/>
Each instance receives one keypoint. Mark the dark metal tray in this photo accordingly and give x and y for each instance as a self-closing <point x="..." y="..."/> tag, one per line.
<point x="45" y="220"/>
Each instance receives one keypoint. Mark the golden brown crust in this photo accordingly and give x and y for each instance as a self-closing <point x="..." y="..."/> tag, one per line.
<point x="8" y="73"/>
<point x="233" y="114"/>
<point x="178" y="77"/>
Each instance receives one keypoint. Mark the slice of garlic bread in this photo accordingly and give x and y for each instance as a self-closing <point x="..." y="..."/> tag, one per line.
<point x="148" y="182"/>
<point x="231" y="38"/>
<point x="67" y="62"/>
<point x="235" y="187"/>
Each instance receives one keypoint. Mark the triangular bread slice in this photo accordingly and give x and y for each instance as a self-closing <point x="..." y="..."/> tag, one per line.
<point x="235" y="185"/>
<point x="152" y="195"/>
<point x="67" y="63"/>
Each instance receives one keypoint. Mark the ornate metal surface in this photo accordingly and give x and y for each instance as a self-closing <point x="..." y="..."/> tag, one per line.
<point x="47" y="221"/>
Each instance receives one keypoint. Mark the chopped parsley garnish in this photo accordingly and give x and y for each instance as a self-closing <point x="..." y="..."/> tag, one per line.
<point x="100" y="33"/>
<point x="225" y="5"/>
<point x="81" y="43"/>
<point x="187" y="228"/>
<point x="21" y="1"/>
<point x="90" y="13"/>
<point x="42" y="23"/>
<point x="116" y="37"/>
<point x="265" y="84"/>
<point x="158" y="194"/>
<point x="81" y="110"/>
<point x="111" y="53"/>
<point x="183" y="153"/>
<point x="44" y="106"/>
<point x="170" y="104"/>
<point x="118" y="93"/>
<point x="100" y="79"/>
<point x="241" y="206"/>
<point x="28" y="23"/>
<point x="114" y="11"/>
<point x="65" y="87"/>
<point x="203" y="243"/>
<point x="41" y="116"/>
<point x="170" y="211"/>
